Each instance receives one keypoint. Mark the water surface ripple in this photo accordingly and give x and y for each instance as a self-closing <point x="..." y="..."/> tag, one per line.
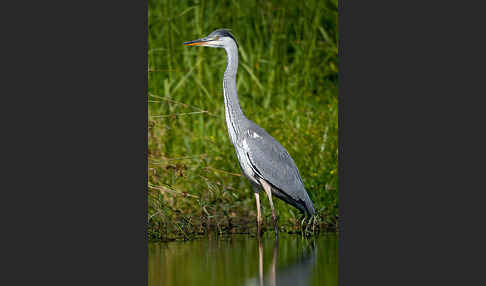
<point x="245" y="260"/>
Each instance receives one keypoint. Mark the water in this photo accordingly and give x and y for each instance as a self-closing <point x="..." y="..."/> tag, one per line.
<point x="245" y="260"/>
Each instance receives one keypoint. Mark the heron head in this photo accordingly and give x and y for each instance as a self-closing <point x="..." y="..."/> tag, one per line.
<point x="219" y="38"/>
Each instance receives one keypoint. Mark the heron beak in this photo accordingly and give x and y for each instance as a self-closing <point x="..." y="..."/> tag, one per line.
<point x="195" y="42"/>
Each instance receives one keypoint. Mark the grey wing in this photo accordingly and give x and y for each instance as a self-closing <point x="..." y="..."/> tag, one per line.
<point x="273" y="163"/>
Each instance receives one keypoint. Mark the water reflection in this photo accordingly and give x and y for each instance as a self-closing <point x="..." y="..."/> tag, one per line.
<point x="245" y="260"/>
<point x="298" y="273"/>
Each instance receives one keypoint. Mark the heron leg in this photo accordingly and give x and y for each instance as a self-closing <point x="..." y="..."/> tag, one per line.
<point x="259" y="215"/>
<point x="268" y="190"/>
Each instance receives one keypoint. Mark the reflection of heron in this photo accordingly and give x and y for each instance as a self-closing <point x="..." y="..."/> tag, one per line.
<point x="295" y="274"/>
<point x="298" y="273"/>
<point x="262" y="159"/>
<point x="272" y="275"/>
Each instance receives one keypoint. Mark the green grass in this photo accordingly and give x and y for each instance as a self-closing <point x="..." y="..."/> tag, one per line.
<point x="287" y="83"/>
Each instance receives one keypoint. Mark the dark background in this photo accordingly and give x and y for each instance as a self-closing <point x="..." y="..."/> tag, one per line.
<point x="75" y="135"/>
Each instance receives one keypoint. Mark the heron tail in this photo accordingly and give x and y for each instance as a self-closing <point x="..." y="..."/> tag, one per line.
<point x="302" y="201"/>
<point x="309" y="206"/>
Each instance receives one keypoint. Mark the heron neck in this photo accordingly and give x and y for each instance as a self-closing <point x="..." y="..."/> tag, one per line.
<point x="233" y="111"/>
<point x="232" y="54"/>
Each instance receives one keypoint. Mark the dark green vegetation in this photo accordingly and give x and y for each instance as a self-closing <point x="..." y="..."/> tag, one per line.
<point x="287" y="83"/>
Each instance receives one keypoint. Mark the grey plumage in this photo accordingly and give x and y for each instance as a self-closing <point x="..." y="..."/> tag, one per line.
<point x="259" y="154"/>
<point x="270" y="161"/>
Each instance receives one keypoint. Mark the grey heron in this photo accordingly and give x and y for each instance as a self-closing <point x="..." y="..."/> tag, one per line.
<point x="263" y="160"/>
